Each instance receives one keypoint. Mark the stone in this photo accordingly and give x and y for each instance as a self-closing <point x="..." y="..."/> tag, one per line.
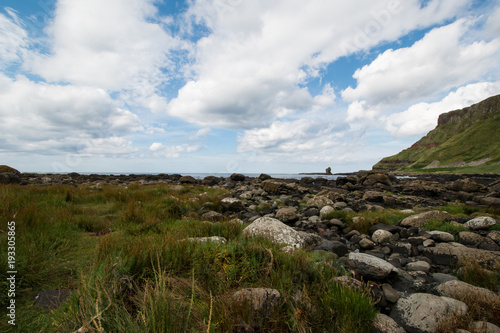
<point x="470" y="238"/>
<point x="366" y="244"/>
<point x="213" y="239"/>
<point x="382" y="236"/>
<point x="495" y="236"/>
<point x="428" y="243"/>
<point x="441" y="236"/>
<point x="484" y="327"/>
<point x="390" y="293"/>
<point x="276" y="231"/>
<point x="326" y="212"/>
<point x="232" y="205"/>
<point x="422" y="219"/>
<point x="187" y="180"/>
<point x="461" y="290"/>
<point x="450" y="254"/>
<point x="370" y="266"/>
<point x="421" y="313"/>
<point x="237" y="177"/>
<point x="441" y="277"/>
<point x="287" y="214"/>
<point x="393" y="229"/>
<point x="212" y="216"/>
<point x="340" y="205"/>
<point x="418" y="266"/>
<point x="319" y="201"/>
<point x="480" y="223"/>
<point x="385" y="324"/>
<point x="336" y="247"/>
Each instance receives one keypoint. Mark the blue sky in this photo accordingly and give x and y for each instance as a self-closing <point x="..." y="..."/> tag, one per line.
<point x="222" y="86"/>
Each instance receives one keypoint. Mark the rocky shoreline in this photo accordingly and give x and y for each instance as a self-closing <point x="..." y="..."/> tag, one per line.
<point x="410" y="271"/>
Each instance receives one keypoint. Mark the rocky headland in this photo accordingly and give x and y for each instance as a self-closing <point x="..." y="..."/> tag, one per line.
<point x="410" y="270"/>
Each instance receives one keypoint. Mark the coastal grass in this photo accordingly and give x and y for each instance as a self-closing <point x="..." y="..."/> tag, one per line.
<point x="124" y="253"/>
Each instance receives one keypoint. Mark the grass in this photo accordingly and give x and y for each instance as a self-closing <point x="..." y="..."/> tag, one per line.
<point x="123" y="251"/>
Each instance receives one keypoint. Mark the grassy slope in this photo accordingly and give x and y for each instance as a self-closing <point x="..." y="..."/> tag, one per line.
<point x="471" y="140"/>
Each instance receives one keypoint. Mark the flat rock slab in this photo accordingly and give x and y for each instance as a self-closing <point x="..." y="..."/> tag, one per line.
<point x="370" y="266"/>
<point x="422" y="313"/>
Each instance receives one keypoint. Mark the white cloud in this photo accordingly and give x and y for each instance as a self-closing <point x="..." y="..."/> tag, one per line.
<point x="109" y="147"/>
<point x="160" y="150"/>
<point x="111" y="44"/>
<point x="250" y="69"/>
<point x="13" y="38"/>
<point x="438" y="62"/>
<point x="63" y="117"/>
<point x="422" y="117"/>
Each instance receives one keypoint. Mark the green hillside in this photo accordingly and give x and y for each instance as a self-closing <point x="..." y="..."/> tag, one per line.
<point x="466" y="140"/>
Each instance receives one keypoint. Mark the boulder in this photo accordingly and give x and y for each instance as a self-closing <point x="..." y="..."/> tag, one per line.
<point x="212" y="216"/>
<point x="232" y="205"/>
<point x="494" y="235"/>
<point x="187" y="180"/>
<point x="276" y="231"/>
<point x="382" y="236"/>
<point x="441" y="236"/>
<point x="485" y="327"/>
<point x="422" y="219"/>
<point x="319" y="201"/>
<point x="287" y="214"/>
<point x="422" y="313"/>
<point x="326" y="212"/>
<point x="9" y="178"/>
<point x="480" y="223"/>
<point x="418" y="266"/>
<point x="370" y="266"/>
<point x="461" y="290"/>
<point x="237" y="177"/>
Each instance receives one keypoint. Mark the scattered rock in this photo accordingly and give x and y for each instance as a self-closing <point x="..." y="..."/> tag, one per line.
<point x="232" y="204"/>
<point x="461" y="290"/>
<point x="385" y="324"/>
<point x="287" y="214"/>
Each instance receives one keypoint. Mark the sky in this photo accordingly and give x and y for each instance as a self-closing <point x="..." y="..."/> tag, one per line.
<point x="225" y="86"/>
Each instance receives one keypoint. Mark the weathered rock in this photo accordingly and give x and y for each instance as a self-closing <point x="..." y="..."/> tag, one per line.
<point x="382" y="237"/>
<point x="212" y="216"/>
<point x="494" y="235"/>
<point x="370" y="266"/>
<point x="385" y="324"/>
<point x="319" y="201"/>
<point x="287" y="214"/>
<point x="237" y="177"/>
<point x="418" y="266"/>
<point x="422" y="219"/>
<point x="326" y="212"/>
<point x="450" y="254"/>
<point x="441" y="277"/>
<point x="187" y="180"/>
<point x="276" y="231"/>
<point x="374" y="178"/>
<point x="366" y="244"/>
<point x="421" y="313"/>
<point x="461" y="290"/>
<point x="390" y="293"/>
<point x="213" y="239"/>
<point x="470" y="238"/>
<point x="480" y="223"/>
<point x="232" y="205"/>
<point x="441" y="236"/>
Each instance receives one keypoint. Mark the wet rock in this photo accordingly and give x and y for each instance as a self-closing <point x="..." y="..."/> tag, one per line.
<point x="421" y="313"/>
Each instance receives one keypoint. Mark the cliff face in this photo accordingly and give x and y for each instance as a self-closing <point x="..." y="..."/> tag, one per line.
<point x="462" y="138"/>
